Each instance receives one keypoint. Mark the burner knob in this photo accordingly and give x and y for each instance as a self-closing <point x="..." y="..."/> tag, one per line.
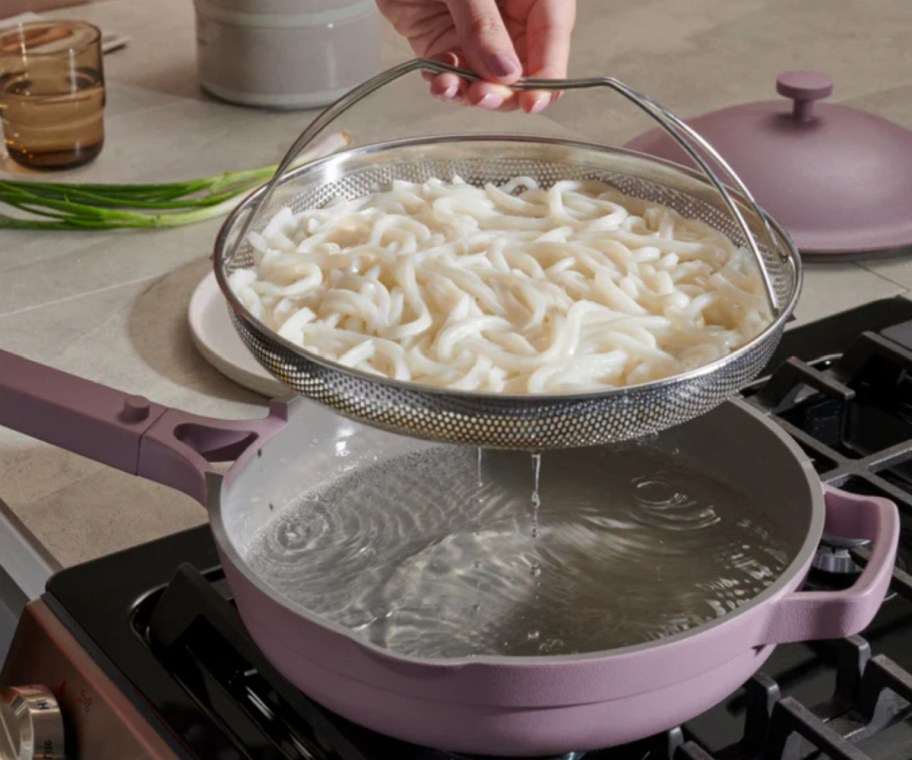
<point x="31" y="726"/>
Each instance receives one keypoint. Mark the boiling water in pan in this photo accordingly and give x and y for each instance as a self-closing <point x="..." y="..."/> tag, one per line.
<point x="442" y="554"/>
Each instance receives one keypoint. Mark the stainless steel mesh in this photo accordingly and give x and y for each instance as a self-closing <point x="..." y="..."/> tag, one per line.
<point x="495" y="420"/>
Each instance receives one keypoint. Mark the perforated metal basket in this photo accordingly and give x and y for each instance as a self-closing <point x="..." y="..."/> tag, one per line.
<point x="495" y="420"/>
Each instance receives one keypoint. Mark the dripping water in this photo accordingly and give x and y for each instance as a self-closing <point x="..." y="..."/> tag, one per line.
<point x="536" y="496"/>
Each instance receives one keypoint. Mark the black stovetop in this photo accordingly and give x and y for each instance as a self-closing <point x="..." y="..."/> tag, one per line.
<point x="159" y="617"/>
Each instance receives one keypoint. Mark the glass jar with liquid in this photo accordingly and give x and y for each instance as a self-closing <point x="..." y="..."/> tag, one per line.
<point x="52" y="93"/>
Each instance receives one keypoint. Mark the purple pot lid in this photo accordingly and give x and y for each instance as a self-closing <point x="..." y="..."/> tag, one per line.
<point x="838" y="179"/>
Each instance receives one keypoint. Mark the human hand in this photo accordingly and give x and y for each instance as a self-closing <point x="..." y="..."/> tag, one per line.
<point x="500" y="40"/>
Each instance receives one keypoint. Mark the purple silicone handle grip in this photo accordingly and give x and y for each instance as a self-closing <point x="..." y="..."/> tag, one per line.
<point x="72" y="413"/>
<point x="121" y="430"/>
<point x="809" y="615"/>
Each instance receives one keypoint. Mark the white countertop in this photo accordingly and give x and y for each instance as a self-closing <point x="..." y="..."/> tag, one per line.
<point x="111" y="307"/>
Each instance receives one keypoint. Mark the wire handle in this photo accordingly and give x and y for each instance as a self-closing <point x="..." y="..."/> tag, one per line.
<point x="684" y="135"/>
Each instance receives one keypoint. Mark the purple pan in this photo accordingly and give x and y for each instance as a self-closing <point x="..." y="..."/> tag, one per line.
<point x="485" y="705"/>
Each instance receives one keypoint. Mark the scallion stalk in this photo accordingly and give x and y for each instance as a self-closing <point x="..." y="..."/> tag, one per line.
<point x="99" y="206"/>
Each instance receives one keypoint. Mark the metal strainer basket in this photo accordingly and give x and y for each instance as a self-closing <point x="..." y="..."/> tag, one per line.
<point x="495" y="420"/>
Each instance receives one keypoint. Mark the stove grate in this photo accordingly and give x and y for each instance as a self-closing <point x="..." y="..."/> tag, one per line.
<point x="195" y="630"/>
<point x="851" y="414"/>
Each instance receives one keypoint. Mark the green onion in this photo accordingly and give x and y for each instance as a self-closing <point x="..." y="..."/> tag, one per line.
<point x="62" y="206"/>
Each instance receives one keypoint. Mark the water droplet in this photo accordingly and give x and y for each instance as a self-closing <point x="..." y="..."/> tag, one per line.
<point x="536" y="568"/>
<point x="551" y="645"/>
<point x="356" y="626"/>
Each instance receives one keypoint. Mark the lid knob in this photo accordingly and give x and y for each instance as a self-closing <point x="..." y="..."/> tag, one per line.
<point x="804" y="87"/>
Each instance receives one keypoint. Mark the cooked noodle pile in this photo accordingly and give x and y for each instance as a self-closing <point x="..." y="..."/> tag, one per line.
<point x="513" y="289"/>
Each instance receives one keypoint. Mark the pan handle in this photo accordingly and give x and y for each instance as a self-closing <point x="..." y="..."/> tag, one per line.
<point x="809" y="615"/>
<point x="121" y="430"/>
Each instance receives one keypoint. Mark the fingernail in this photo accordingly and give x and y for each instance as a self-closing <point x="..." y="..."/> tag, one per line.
<point x="503" y="64"/>
<point x="456" y="97"/>
<point x="450" y="92"/>
<point x="540" y="104"/>
<point x="491" y="101"/>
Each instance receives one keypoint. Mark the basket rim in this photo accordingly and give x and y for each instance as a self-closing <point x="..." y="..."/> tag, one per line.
<point x="770" y="332"/>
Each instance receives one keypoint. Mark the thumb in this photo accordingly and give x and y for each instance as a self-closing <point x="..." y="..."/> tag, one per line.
<point x="484" y="39"/>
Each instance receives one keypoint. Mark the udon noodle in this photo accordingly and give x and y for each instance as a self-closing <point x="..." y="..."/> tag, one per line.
<point x="514" y="288"/>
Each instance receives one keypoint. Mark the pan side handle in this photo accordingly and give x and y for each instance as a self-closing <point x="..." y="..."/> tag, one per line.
<point x="809" y="615"/>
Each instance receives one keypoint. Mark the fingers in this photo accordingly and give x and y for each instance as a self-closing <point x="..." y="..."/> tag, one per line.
<point x="484" y="40"/>
<point x="448" y="87"/>
<point x="493" y="97"/>
<point x="487" y="48"/>
<point x="451" y="58"/>
<point x="452" y="88"/>
<point x="549" y="28"/>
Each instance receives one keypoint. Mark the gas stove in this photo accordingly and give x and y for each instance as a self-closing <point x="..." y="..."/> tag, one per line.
<point x="146" y="657"/>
